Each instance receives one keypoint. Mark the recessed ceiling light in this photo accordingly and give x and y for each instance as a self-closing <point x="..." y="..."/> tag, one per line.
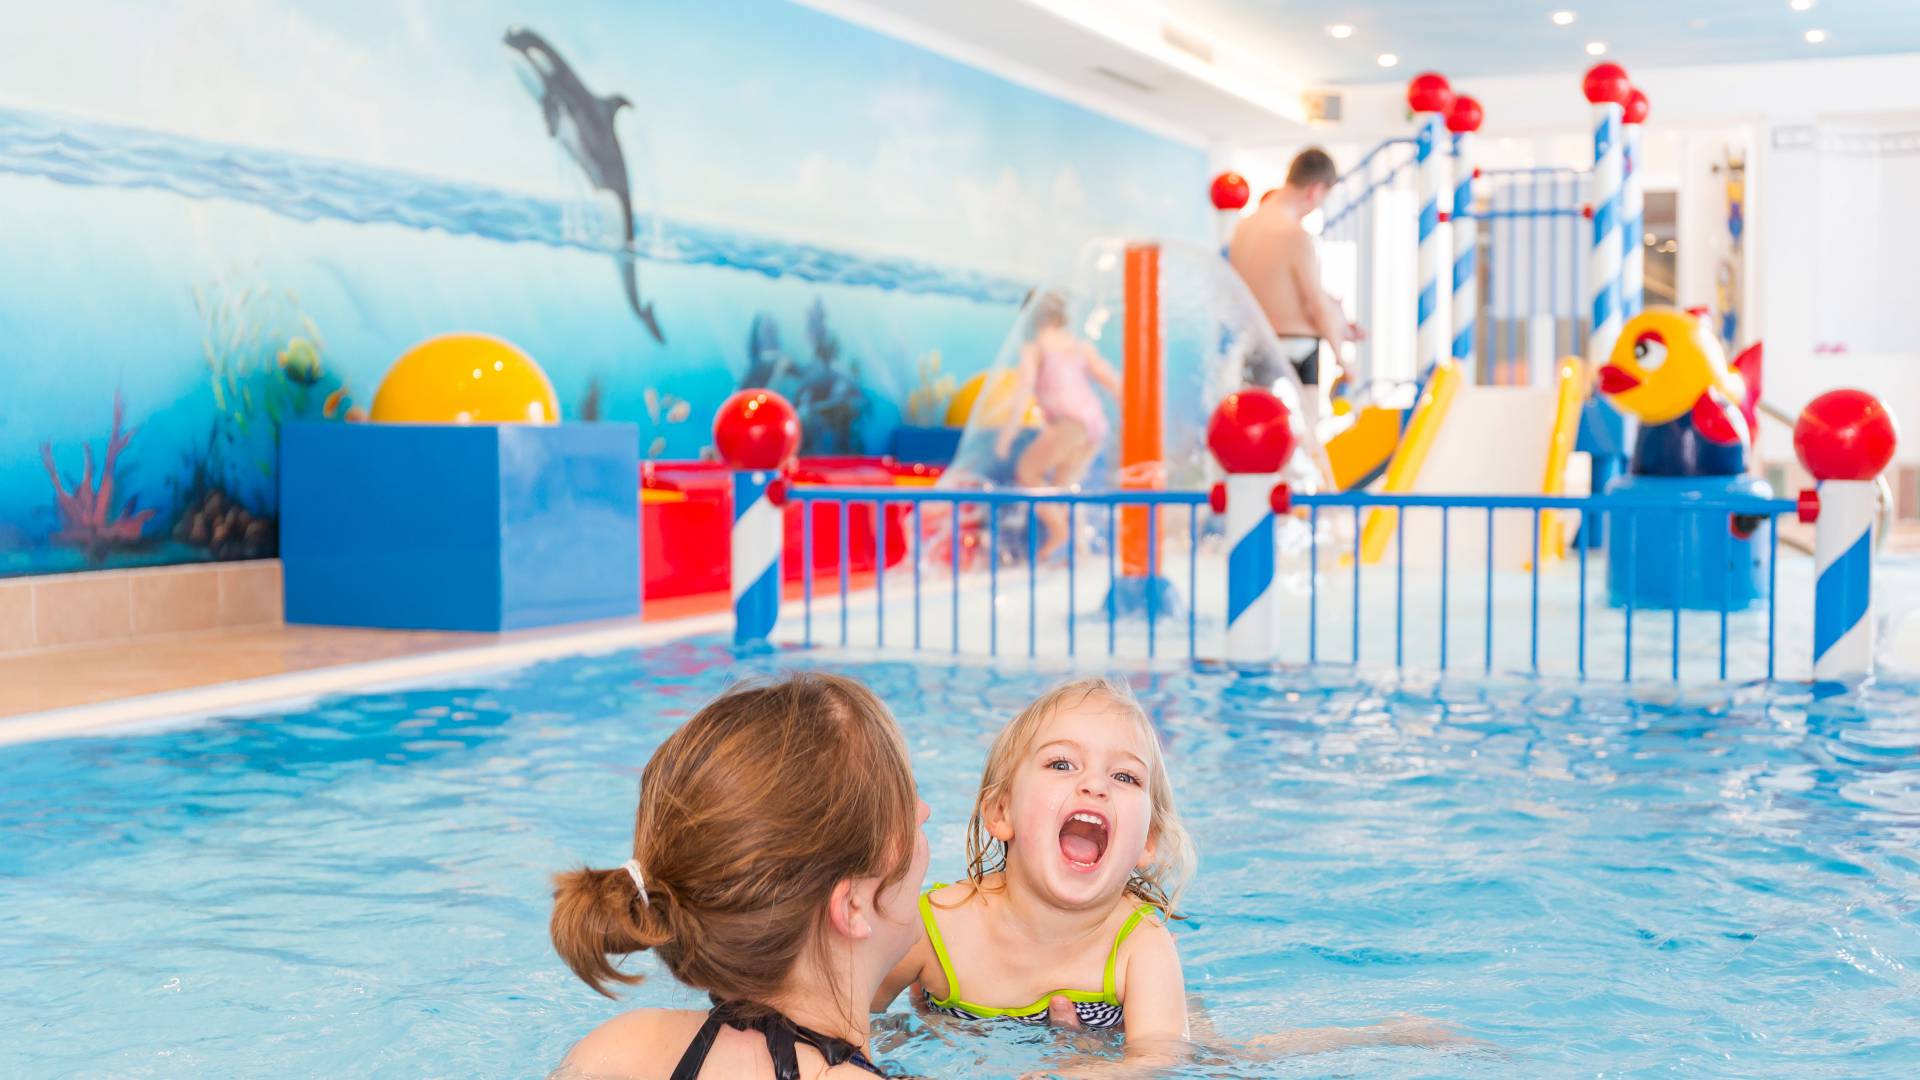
<point x="1564" y="18"/>
<point x="1386" y="59"/>
<point x="1340" y="30"/>
<point x="1800" y="5"/>
<point x="1596" y="48"/>
<point x="1815" y="37"/>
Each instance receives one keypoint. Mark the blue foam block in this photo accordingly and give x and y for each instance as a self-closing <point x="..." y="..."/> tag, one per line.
<point x="925" y="445"/>
<point x="445" y="527"/>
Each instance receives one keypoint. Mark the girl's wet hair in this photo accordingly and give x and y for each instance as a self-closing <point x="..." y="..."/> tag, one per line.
<point x="1049" y="309"/>
<point x="1162" y="882"/>
<point x="750" y="814"/>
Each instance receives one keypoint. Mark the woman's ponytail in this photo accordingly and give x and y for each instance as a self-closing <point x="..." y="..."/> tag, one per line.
<point x="598" y="915"/>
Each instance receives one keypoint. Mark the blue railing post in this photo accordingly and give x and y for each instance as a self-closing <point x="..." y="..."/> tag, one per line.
<point x="1843" y="579"/>
<point x="1253" y="628"/>
<point x="755" y="554"/>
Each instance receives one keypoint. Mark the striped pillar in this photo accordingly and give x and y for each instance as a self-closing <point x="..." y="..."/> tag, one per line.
<point x="1253" y="629"/>
<point x="1843" y="565"/>
<point x="1466" y="283"/>
<point x="1433" y="322"/>
<point x="757" y="534"/>
<point x="1603" y="260"/>
<point x="1633" y="224"/>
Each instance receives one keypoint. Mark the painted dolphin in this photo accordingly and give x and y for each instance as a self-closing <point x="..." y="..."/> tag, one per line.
<point x="583" y="124"/>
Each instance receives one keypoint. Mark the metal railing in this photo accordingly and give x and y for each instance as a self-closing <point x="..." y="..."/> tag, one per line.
<point x="1535" y="270"/>
<point x="947" y="526"/>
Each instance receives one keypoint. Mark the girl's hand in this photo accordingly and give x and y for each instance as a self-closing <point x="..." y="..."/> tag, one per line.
<point x="1062" y="1014"/>
<point x="1411" y="1030"/>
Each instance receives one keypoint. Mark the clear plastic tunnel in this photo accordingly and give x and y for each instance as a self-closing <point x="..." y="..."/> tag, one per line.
<point x="1114" y="369"/>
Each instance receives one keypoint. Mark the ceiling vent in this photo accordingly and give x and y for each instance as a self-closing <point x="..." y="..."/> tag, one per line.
<point x="1123" y="79"/>
<point x="1323" y="106"/>
<point x="1192" y="44"/>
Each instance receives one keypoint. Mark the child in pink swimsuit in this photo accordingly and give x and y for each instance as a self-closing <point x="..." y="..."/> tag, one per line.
<point x="1057" y="372"/>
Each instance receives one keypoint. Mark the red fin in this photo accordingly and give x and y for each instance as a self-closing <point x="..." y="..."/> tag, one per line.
<point x="1748" y="365"/>
<point x="1711" y="420"/>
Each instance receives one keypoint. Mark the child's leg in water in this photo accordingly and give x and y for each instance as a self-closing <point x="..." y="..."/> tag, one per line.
<point x="1058" y="458"/>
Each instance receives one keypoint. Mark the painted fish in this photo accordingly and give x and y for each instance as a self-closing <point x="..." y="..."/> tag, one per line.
<point x="333" y="403"/>
<point x="300" y="361"/>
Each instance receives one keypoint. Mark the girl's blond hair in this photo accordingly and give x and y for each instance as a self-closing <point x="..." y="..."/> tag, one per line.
<point x="1162" y="882"/>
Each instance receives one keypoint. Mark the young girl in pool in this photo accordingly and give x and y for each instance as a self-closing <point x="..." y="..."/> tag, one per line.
<point x="1076" y="858"/>
<point x="1057" y="372"/>
<point x="776" y="854"/>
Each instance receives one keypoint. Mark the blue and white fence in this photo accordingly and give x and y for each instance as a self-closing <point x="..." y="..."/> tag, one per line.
<point x="1313" y="603"/>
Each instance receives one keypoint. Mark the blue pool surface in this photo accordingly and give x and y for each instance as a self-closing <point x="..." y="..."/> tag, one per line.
<point x="1589" y="880"/>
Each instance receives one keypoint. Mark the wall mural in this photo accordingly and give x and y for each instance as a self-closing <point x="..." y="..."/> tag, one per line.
<point x="221" y="218"/>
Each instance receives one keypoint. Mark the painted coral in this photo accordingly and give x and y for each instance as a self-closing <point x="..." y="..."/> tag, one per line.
<point x="88" y="518"/>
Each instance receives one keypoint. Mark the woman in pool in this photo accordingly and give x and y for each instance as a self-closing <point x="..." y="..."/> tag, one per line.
<point x="1076" y="858"/>
<point x="776" y="854"/>
<point x="1057" y="372"/>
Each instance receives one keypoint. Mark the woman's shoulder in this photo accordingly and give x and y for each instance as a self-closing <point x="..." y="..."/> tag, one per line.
<point x="629" y="1046"/>
<point x="646" y="1044"/>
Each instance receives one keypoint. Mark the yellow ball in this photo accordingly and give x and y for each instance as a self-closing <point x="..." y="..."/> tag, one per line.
<point x="997" y="406"/>
<point x="465" y="379"/>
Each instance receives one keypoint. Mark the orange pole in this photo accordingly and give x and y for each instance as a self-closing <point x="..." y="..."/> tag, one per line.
<point x="1142" y="454"/>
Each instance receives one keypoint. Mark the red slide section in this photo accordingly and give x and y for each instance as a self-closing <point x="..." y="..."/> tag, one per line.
<point x="686" y="513"/>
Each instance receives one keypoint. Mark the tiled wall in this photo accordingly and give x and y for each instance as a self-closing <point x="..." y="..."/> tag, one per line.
<point x="119" y="605"/>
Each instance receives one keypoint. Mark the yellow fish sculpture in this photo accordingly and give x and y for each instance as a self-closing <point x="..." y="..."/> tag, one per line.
<point x="1696" y="411"/>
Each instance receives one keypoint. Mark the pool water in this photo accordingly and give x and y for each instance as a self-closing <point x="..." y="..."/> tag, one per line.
<point x="1588" y="880"/>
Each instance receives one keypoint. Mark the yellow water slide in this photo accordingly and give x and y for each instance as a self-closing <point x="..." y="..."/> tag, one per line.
<point x="1556" y="529"/>
<point x="1404" y="470"/>
<point x="1365" y="448"/>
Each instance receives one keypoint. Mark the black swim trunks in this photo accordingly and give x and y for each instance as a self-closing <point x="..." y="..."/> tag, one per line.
<point x="1263" y="369"/>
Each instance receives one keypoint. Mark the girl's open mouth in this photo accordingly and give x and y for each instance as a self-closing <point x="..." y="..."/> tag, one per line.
<point x="1083" y="840"/>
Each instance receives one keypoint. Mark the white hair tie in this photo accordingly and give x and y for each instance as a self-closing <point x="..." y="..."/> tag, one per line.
<point x="632" y="868"/>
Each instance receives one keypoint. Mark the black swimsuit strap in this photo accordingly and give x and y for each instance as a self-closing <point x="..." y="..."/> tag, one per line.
<point x="781" y="1035"/>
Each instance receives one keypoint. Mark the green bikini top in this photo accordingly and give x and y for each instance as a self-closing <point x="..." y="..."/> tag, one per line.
<point x="952" y="1005"/>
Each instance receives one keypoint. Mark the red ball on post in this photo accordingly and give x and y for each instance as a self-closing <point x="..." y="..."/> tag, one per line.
<point x="756" y="429"/>
<point x="1251" y="432"/>
<point x="1465" y="115"/>
<point x="1845" y="435"/>
<point x="1230" y="191"/>
<point x="1429" y="93"/>
<point x="1636" y="107"/>
<point x="1607" y="84"/>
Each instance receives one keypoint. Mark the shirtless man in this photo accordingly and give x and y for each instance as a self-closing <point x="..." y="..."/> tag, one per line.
<point x="1275" y="256"/>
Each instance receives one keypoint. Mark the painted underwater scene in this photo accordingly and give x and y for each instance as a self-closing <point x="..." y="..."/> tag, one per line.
<point x="657" y="226"/>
